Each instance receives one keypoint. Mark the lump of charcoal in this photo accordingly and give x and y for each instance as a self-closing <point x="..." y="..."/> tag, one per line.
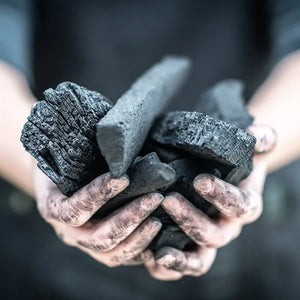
<point x="123" y="131"/>
<point x="165" y="153"/>
<point x="146" y="174"/>
<point x="60" y="134"/>
<point x="225" y="101"/>
<point x="207" y="138"/>
<point x="170" y="235"/>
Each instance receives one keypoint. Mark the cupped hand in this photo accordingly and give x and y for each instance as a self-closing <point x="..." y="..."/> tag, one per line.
<point x="237" y="206"/>
<point x="114" y="240"/>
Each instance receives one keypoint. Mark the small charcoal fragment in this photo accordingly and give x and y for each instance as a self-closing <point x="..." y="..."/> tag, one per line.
<point x="165" y="153"/>
<point x="207" y="138"/>
<point x="61" y="134"/>
<point x="146" y="174"/>
<point x="224" y="101"/>
<point x="122" y="132"/>
<point x="170" y="234"/>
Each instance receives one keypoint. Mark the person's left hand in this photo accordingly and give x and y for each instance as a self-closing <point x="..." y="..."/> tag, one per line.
<point x="237" y="206"/>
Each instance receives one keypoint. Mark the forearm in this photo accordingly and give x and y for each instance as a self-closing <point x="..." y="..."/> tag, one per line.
<point x="15" y="105"/>
<point x="277" y="103"/>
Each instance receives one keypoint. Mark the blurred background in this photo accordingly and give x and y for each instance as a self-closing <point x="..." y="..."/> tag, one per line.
<point x="105" y="45"/>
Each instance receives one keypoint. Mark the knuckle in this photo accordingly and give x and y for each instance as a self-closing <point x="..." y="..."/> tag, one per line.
<point x="103" y="244"/>
<point x="70" y="218"/>
<point x="106" y="238"/>
<point x="112" y="264"/>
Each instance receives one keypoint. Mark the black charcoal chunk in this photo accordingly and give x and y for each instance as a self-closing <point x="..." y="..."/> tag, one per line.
<point x="207" y="138"/>
<point x="122" y="132"/>
<point x="61" y="134"/>
<point x="225" y="101"/>
<point x="165" y="153"/>
<point x="147" y="174"/>
<point x="170" y="234"/>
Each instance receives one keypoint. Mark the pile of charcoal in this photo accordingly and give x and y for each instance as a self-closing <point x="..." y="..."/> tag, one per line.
<point x="76" y="135"/>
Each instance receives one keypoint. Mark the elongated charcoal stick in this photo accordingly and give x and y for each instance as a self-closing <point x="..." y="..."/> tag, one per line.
<point x="122" y="132"/>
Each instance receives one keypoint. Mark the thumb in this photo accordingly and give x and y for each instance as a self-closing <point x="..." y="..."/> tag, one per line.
<point x="265" y="137"/>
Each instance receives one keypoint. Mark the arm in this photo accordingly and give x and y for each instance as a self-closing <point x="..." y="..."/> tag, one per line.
<point x="15" y="105"/>
<point x="277" y="103"/>
<point x="15" y="97"/>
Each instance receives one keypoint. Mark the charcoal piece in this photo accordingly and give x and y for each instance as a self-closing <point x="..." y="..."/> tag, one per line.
<point x="122" y="132"/>
<point x="61" y="134"/>
<point x="170" y="234"/>
<point x="224" y="101"/>
<point x="146" y="174"/>
<point x="165" y="153"/>
<point x="207" y="138"/>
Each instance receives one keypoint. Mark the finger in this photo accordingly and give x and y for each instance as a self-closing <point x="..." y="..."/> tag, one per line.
<point x="136" y="243"/>
<point x="141" y="258"/>
<point x="193" y="263"/>
<point x="230" y="200"/>
<point x="160" y="272"/>
<point x="171" y="258"/>
<point x="265" y="138"/>
<point x="130" y="248"/>
<point x="78" y="208"/>
<point x="134" y="261"/>
<point x="197" y="225"/>
<point x="119" y="225"/>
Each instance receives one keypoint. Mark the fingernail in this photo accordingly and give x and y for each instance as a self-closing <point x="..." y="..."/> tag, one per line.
<point x="265" y="137"/>
<point x="167" y="259"/>
<point x="151" y="201"/>
<point x="120" y="183"/>
<point x="155" y="221"/>
<point x="203" y="184"/>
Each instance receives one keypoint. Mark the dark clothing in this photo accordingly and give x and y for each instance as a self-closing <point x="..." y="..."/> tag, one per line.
<point x="105" y="45"/>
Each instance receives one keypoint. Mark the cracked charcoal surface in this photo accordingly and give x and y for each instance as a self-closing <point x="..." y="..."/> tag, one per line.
<point x="122" y="132"/>
<point x="60" y="134"/>
<point x="225" y="101"/>
<point x="146" y="174"/>
<point x="207" y="138"/>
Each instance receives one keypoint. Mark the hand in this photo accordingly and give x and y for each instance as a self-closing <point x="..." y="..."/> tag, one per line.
<point x="237" y="206"/>
<point x="113" y="241"/>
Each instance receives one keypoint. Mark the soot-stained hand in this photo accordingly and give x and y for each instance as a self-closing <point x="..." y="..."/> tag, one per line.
<point x="237" y="206"/>
<point x="113" y="241"/>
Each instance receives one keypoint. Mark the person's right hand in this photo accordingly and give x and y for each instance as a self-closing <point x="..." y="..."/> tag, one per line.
<point x="113" y="241"/>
